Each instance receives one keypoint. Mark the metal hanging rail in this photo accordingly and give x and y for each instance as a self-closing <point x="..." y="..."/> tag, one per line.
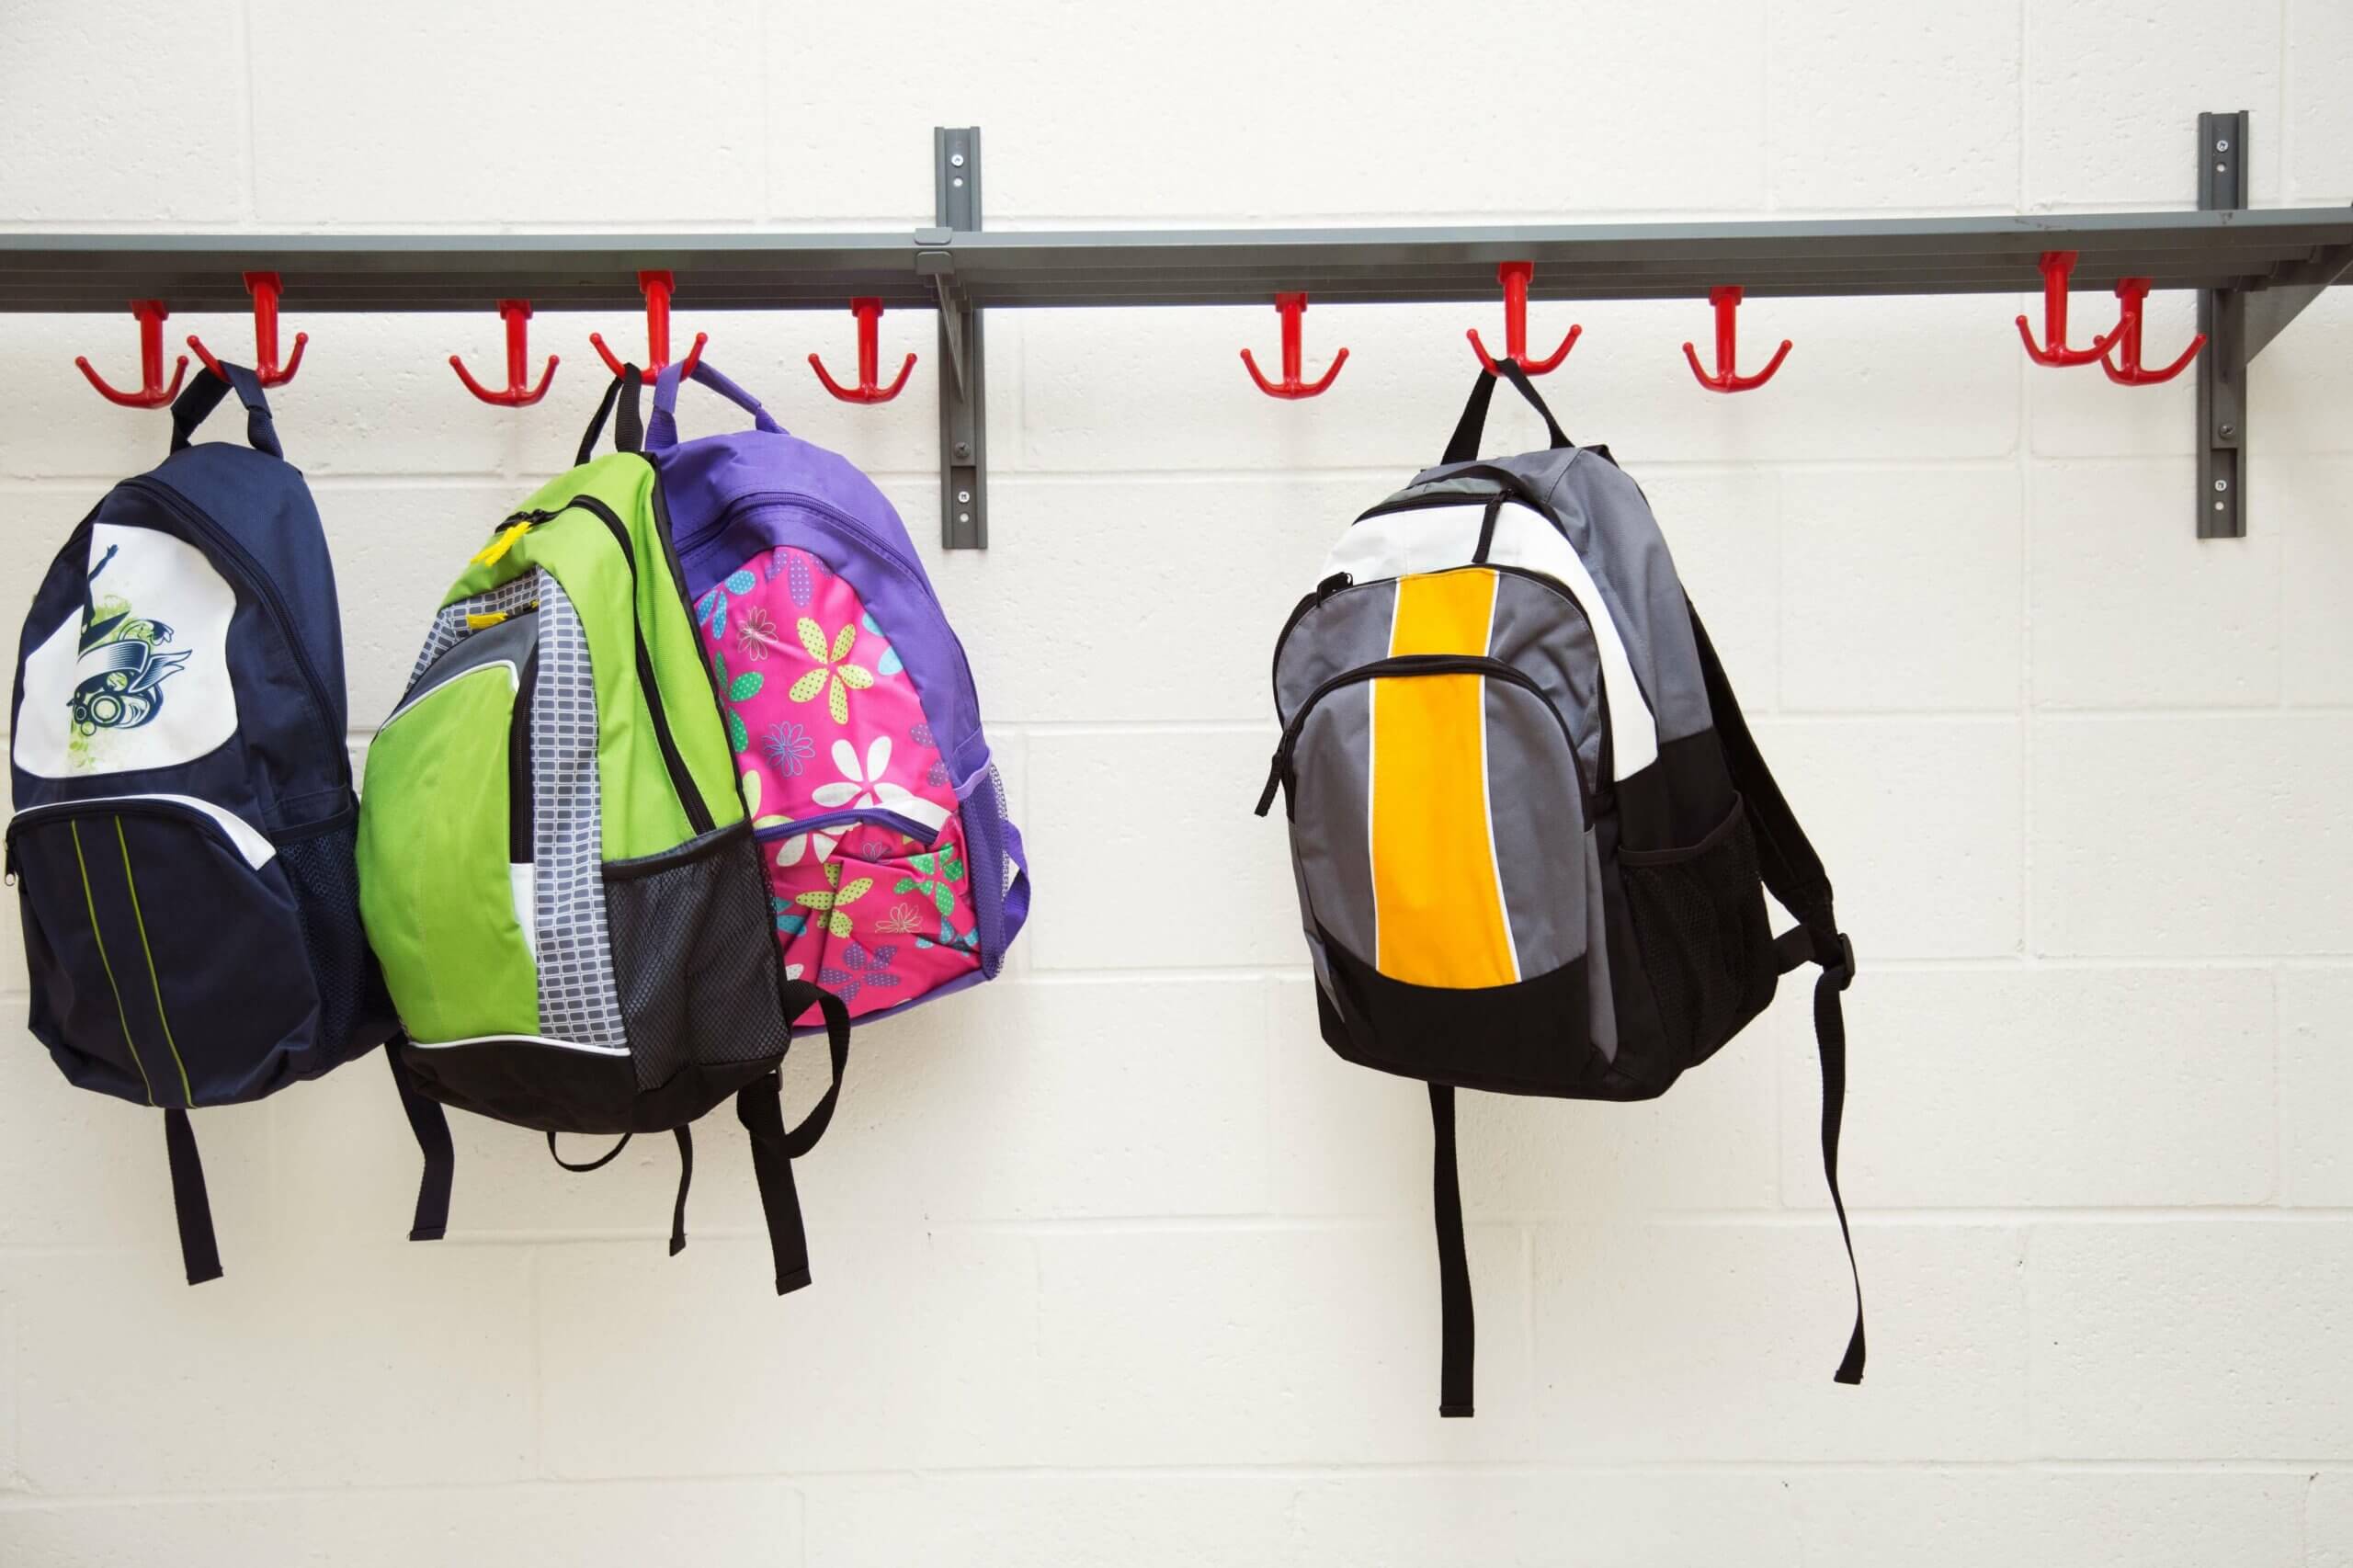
<point x="2254" y="269"/>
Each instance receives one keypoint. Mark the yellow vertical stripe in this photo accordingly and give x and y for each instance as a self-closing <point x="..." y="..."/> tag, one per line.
<point x="90" y="902"/>
<point x="188" y="1094"/>
<point x="1439" y="904"/>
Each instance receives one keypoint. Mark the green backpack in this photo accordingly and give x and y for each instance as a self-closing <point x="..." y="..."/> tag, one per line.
<point x="556" y="870"/>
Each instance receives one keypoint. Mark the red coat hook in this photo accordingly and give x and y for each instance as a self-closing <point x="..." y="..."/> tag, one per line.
<point x="1726" y="302"/>
<point x="2053" y="350"/>
<point x="263" y="288"/>
<point x="1290" y="307"/>
<point x="868" y="312"/>
<point x="2133" y="292"/>
<point x="1514" y="276"/>
<point x="656" y="287"/>
<point x="519" y="393"/>
<point x="153" y="393"/>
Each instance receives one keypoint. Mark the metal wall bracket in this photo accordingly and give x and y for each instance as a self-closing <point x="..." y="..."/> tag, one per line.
<point x="2239" y="322"/>
<point x="2222" y="368"/>
<point x="964" y="381"/>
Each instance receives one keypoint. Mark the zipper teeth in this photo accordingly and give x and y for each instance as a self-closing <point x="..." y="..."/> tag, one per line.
<point x="1552" y="585"/>
<point x="264" y="590"/>
<point x="825" y="510"/>
<point x="691" y="798"/>
<point x="1412" y="665"/>
<point x="824" y="820"/>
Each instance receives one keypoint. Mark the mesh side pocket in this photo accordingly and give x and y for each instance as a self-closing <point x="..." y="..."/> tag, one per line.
<point x="354" y="1010"/>
<point x="694" y="956"/>
<point x="1700" y="926"/>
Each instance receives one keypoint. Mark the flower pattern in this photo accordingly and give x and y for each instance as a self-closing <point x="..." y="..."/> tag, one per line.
<point x="756" y="635"/>
<point x="863" y="784"/>
<point x="830" y="901"/>
<point x="788" y="746"/>
<point x="835" y="676"/>
<point x="738" y="689"/>
<point x="933" y="873"/>
<point x="902" y="920"/>
<point x="861" y="968"/>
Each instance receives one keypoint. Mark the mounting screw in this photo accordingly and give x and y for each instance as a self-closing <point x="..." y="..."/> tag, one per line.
<point x="963" y="517"/>
<point x="2218" y="507"/>
<point x="2227" y="431"/>
<point x="964" y="449"/>
<point x="2222" y="144"/>
<point x="963" y="497"/>
<point x="956" y="160"/>
<point x="2222" y="485"/>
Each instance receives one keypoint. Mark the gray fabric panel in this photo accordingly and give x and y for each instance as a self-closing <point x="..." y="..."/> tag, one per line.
<point x="577" y="997"/>
<point x="1541" y="633"/>
<point x="1604" y="516"/>
<point x="1331" y="831"/>
<point x="1351" y="628"/>
<point x="1538" y="826"/>
<point x="449" y="627"/>
<point x="1601" y="1004"/>
<point x="511" y="640"/>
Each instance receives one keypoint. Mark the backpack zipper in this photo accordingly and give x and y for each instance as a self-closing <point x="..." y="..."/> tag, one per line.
<point x="1335" y="584"/>
<point x="1407" y="664"/>
<point x="242" y="560"/>
<point x="905" y="826"/>
<point x="691" y="798"/>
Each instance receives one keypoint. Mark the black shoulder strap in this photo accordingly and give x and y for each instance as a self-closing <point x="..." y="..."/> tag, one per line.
<point x="199" y="1254"/>
<point x="1458" y="1333"/>
<point x="430" y="1125"/>
<point x="627" y="390"/>
<point x="759" y="1106"/>
<point x="204" y="394"/>
<point x="1464" y="445"/>
<point x="1794" y="874"/>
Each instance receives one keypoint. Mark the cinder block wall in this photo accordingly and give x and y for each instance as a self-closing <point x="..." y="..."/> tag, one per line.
<point x="1115" y="1262"/>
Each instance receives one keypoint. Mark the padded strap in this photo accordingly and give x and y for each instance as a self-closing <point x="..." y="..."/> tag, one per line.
<point x="1473" y="423"/>
<point x="759" y="1106"/>
<point x="662" y="430"/>
<point x="1457" y="1334"/>
<point x="430" y="1124"/>
<point x="686" y="1179"/>
<point x="598" y="1164"/>
<point x="629" y="435"/>
<point x="199" y="1252"/>
<point x="1793" y="873"/>
<point x="204" y="394"/>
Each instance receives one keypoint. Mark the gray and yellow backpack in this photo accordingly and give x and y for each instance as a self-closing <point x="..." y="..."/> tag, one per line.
<point x="1531" y="832"/>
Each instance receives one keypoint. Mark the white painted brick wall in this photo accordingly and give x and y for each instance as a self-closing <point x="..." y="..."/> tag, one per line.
<point x="1115" y="1264"/>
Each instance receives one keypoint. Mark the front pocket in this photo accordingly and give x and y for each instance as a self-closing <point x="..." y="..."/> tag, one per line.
<point x="167" y="951"/>
<point x="691" y="957"/>
<point x="445" y="900"/>
<point x="1706" y="944"/>
<point x="874" y="907"/>
<point x="1436" y="821"/>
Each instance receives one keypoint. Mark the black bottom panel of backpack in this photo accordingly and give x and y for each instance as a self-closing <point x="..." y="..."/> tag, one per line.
<point x="556" y="1088"/>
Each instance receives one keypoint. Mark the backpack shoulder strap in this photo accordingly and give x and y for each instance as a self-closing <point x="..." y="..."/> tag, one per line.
<point x="1794" y="874"/>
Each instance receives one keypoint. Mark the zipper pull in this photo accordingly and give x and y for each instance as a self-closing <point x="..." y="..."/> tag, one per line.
<point x="1275" y="773"/>
<point x="11" y="878"/>
<point x="1333" y="585"/>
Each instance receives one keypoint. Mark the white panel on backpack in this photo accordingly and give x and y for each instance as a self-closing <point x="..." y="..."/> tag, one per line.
<point x="1437" y="539"/>
<point x="146" y="685"/>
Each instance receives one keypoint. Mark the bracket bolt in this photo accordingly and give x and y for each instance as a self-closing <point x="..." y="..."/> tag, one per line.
<point x="2222" y="144"/>
<point x="963" y="497"/>
<point x="2222" y="485"/>
<point x="956" y="160"/>
<point x="2227" y="431"/>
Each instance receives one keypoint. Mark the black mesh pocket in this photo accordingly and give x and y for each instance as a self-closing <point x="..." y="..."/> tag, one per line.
<point x="355" y="1012"/>
<point x="694" y="956"/>
<point x="1706" y="946"/>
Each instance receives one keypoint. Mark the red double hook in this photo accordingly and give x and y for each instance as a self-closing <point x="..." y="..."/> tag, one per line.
<point x="264" y="287"/>
<point x="656" y="287"/>
<point x="1514" y="276"/>
<point x="2132" y="294"/>
<point x="2053" y="351"/>
<point x="868" y="312"/>
<point x="1726" y="303"/>
<point x="153" y="393"/>
<point x="1290" y="307"/>
<point x="519" y="393"/>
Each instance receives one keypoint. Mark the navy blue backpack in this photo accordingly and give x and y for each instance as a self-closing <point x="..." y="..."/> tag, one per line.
<point x="182" y="846"/>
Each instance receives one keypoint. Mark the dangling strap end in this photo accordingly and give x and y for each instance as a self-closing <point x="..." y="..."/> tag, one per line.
<point x="199" y="1254"/>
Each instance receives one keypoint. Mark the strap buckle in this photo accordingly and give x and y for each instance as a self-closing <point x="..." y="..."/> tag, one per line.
<point x="1843" y="971"/>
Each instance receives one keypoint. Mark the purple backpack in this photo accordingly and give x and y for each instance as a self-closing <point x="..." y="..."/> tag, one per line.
<point x="894" y="870"/>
